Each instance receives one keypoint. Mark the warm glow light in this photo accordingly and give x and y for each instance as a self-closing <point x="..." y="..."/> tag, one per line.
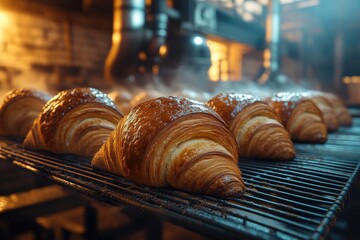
<point x="142" y="56"/>
<point x="155" y="69"/>
<point x="219" y="61"/>
<point x="5" y="20"/>
<point x="267" y="56"/>
<point x="163" y="50"/>
<point x="116" y="37"/>
<point x="351" y="80"/>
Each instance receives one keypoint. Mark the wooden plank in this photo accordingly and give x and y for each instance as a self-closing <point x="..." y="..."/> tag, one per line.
<point x="96" y="21"/>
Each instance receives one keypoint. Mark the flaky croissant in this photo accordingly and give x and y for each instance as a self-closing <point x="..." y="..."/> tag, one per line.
<point x="300" y="116"/>
<point x="18" y="111"/>
<point x="257" y="128"/>
<point x="174" y="141"/>
<point x="340" y="109"/>
<point x="325" y="106"/>
<point x="76" y="121"/>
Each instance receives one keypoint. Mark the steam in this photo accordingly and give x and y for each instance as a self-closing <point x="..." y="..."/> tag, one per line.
<point x="25" y="79"/>
<point x="205" y="90"/>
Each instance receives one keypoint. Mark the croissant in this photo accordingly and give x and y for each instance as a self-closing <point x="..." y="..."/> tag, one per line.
<point x="340" y="109"/>
<point x="174" y="141"/>
<point x="18" y="111"/>
<point x="325" y="106"/>
<point x="76" y="121"/>
<point x="257" y="128"/>
<point x="300" y="116"/>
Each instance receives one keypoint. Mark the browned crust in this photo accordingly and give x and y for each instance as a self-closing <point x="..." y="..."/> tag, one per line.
<point x="66" y="101"/>
<point x="139" y="148"/>
<point x="24" y="92"/>
<point x="14" y="95"/>
<point x="285" y="102"/>
<point x="228" y="105"/>
<point x="153" y="116"/>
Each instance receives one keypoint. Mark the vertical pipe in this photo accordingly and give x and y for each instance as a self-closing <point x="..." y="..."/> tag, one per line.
<point x="271" y="63"/>
<point x="271" y="55"/>
<point x="127" y="39"/>
<point x="159" y="25"/>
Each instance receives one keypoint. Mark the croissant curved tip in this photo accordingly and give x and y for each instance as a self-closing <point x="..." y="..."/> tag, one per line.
<point x="286" y="156"/>
<point x="331" y="128"/>
<point x="287" y="153"/>
<point x="320" y="138"/>
<point x="226" y="187"/>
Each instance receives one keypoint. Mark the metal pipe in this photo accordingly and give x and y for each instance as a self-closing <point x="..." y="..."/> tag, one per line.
<point x="159" y="29"/>
<point x="271" y="62"/>
<point x="273" y="35"/>
<point x="128" y="38"/>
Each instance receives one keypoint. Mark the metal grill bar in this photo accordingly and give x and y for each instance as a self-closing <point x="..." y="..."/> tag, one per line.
<point x="286" y="200"/>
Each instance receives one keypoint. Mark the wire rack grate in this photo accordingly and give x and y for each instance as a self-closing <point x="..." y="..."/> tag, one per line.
<point x="298" y="199"/>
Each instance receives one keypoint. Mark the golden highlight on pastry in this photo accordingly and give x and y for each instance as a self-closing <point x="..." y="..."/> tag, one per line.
<point x="300" y="116"/>
<point x="18" y="111"/>
<point x="340" y="109"/>
<point x="325" y="106"/>
<point x="257" y="128"/>
<point x="174" y="141"/>
<point x="76" y="121"/>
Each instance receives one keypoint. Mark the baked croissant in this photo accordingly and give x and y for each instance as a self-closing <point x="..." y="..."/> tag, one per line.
<point x="325" y="106"/>
<point x="340" y="109"/>
<point x="76" y="121"/>
<point x="300" y="116"/>
<point x="174" y="141"/>
<point x="18" y="111"/>
<point x="257" y="128"/>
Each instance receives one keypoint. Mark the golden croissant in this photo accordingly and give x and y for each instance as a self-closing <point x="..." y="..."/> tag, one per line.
<point x="76" y="121"/>
<point x="257" y="128"/>
<point x="18" y="111"/>
<point x="174" y="141"/>
<point x="325" y="106"/>
<point x="300" y="116"/>
<point x="340" y="109"/>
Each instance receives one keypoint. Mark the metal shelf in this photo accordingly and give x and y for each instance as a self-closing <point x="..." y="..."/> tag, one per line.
<point x="297" y="199"/>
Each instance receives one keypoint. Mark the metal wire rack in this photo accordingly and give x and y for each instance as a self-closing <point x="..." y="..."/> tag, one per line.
<point x="298" y="199"/>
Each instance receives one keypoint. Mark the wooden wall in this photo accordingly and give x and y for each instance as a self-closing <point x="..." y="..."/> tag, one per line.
<point x="58" y="46"/>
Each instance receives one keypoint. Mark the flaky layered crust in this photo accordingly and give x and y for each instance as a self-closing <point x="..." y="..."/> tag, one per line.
<point x="257" y="128"/>
<point x="301" y="117"/>
<point x="174" y="141"/>
<point x="330" y="119"/>
<point x="340" y="109"/>
<point x="76" y="121"/>
<point x="18" y="111"/>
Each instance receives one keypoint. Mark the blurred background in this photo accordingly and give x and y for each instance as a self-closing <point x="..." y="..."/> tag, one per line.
<point x="57" y="44"/>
